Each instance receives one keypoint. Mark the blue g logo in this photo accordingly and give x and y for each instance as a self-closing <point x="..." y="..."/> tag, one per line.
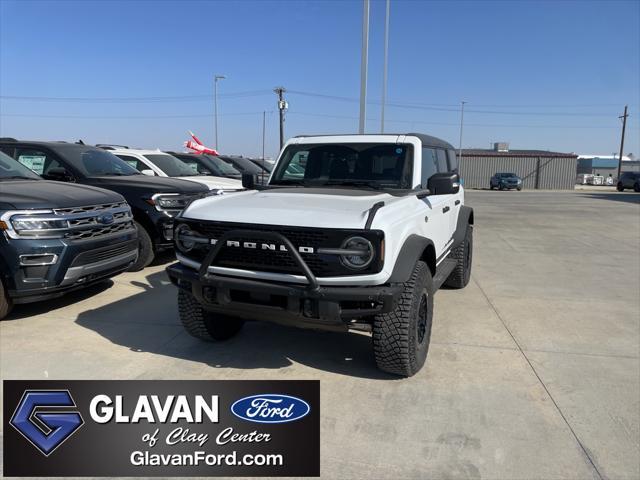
<point x="41" y="421"/>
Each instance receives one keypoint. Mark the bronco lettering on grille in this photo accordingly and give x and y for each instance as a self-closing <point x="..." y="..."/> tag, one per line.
<point x="262" y="246"/>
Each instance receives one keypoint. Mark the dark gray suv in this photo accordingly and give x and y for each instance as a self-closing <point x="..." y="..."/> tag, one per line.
<point x="629" y="180"/>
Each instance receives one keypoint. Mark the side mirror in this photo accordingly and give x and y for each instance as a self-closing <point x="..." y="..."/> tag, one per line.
<point x="59" y="174"/>
<point x="444" y="183"/>
<point x="249" y="181"/>
<point x="148" y="172"/>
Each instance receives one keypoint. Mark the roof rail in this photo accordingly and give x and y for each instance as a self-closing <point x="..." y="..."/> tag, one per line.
<point x="110" y="146"/>
<point x="7" y="139"/>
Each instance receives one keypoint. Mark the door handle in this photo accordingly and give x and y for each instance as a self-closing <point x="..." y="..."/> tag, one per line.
<point x="457" y="202"/>
<point x="445" y="209"/>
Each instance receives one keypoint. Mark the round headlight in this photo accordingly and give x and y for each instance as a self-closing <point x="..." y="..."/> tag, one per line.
<point x="182" y="242"/>
<point x="362" y="255"/>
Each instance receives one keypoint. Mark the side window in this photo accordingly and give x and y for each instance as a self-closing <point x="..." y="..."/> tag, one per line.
<point x="429" y="164"/>
<point x="38" y="161"/>
<point x="133" y="162"/>
<point x="453" y="161"/>
<point x="296" y="166"/>
<point x="7" y="149"/>
<point x="442" y="161"/>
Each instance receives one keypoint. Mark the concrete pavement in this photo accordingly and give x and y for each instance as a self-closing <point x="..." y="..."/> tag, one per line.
<point x="533" y="371"/>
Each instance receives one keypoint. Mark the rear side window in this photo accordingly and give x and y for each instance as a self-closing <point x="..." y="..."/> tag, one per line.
<point x="442" y="161"/>
<point x="429" y="164"/>
<point x="453" y="160"/>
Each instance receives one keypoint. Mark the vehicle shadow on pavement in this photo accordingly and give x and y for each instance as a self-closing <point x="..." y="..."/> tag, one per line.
<point x="26" y="310"/>
<point x="615" y="196"/>
<point x="148" y="322"/>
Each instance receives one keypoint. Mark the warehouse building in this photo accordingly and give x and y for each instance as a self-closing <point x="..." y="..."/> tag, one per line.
<point x="539" y="169"/>
<point x="606" y="165"/>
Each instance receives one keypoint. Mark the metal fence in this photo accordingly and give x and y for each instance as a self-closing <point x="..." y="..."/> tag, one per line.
<point x="537" y="172"/>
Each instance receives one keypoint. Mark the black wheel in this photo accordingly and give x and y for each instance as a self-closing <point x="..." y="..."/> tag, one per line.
<point x="401" y="337"/>
<point x="636" y="187"/>
<point x="5" y="302"/>
<point x="491" y="187"/>
<point x="519" y="189"/>
<point x="619" y="187"/>
<point x="463" y="255"/>
<point x="205" y="325"/>
<point x="500" y="187"/>
<point x="145" y="249"/>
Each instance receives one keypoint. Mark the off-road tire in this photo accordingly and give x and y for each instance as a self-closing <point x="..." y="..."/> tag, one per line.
<point x="5" y="302"/>
<point x="619" y="187"/>
<point x="491" y="187"/>
<point x="500" y="187"/>
<point x="519" y="189"/>
<point x="398" y="344"/>
<point x="463" y="255"/>
<point x="636" y="187"/>
<point x="145" y="250"/>
<point x="205" y="325"/>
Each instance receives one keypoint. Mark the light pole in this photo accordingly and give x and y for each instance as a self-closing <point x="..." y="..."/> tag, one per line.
<point x="215" y="105"/>
<point x="364" y="66"/>
<point x="386" y="65"/>
<point x="461" y="127"/>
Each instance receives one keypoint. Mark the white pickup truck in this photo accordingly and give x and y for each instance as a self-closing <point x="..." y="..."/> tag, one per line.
<point x="351" y="232"/>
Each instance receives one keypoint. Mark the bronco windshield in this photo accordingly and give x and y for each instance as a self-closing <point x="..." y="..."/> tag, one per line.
<point x="368" y="165"/>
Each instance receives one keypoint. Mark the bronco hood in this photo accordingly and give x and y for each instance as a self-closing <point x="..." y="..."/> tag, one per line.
<point x="339" y="208"/>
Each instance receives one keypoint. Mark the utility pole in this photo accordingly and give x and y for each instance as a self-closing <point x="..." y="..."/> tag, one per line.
<point x="215" y="106"/>
<point x="461" y="127"/>
<point x="386" y="65"/>
<point x="264" y="122"/>
<point x="624" y="126"/>
<point x="282" y="106"/>
<point x="364" y="66"/>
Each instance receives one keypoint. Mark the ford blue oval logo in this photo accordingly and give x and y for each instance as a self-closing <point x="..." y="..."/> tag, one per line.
<point x="270" y="408"/>
<point x="106" y="219"/>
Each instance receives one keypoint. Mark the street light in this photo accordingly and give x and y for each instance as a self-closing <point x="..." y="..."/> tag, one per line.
<point x="215" y="105"/>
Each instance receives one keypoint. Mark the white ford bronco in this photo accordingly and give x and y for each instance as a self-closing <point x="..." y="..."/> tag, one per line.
<point x="350" y="232"/>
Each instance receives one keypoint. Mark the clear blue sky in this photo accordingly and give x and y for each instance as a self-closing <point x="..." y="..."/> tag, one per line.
<point x="557" y="73"/>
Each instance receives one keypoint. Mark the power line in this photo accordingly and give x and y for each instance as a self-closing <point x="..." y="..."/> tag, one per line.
<point x="121" y="117"/>
<point x="157" y="99"/>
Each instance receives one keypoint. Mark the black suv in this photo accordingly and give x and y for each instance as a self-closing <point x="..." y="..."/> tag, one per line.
<point x="56" y="237"/>
<point x="154" y="201"/>
<point x="629" y="180"/>
<point x="505" y="181"/>
<point x="208" y="165"/>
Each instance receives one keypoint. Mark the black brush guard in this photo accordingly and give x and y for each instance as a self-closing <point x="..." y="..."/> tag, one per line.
<point x="310" y="305"/>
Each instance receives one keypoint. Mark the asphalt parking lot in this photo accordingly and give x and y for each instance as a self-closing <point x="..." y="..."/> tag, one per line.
<point x="533" y="370"/>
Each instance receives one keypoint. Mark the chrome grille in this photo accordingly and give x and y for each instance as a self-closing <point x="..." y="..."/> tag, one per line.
<point x="99" y="231"/>
<point x="89" y="208"/>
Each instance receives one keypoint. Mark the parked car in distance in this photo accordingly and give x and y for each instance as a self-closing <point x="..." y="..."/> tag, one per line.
<point x="505" y="181"/>
<point x="154" y="201"/>
<point x="629" y="180"/>
<point x="155" y="162"/>
<point x="246" y="166"/>
<point x="205" y="164"/>
<point x="57" y="237"/>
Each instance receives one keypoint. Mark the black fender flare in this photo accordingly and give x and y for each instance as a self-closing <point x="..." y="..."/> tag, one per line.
<point x="465" y="217"/>
<point x="413" y="249"/>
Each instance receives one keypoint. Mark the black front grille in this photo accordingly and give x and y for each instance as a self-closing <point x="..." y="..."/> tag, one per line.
<point x="100" y="254"/>
<point x="277" y="261"/>
<point x="99" y="231"/>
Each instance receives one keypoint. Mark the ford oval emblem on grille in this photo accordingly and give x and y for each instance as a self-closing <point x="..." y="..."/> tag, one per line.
<point x="105" y="219"/>
<point x="270" y="408"/>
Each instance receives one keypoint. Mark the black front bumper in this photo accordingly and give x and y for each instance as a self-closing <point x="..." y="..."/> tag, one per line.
<point x="327" y="308"/>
